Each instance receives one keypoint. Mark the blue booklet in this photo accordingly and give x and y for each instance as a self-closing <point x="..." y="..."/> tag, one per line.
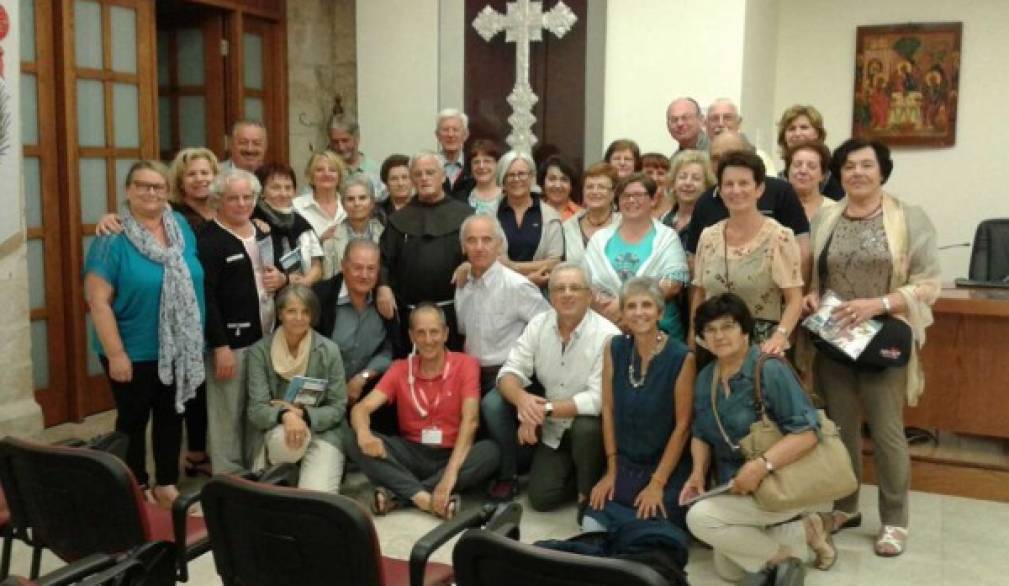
<point x="305" y="391"/>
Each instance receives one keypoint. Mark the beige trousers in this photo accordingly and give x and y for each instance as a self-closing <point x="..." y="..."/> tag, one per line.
<point x="320" y="468"/>
<point x="880" y="397"/>
<point x="744" y="536"/>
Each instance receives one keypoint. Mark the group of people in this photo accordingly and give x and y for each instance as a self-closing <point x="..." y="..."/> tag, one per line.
<point x="470" y="315"/>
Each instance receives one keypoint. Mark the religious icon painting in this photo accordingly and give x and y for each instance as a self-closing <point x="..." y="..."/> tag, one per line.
<point x="907" y="83"/>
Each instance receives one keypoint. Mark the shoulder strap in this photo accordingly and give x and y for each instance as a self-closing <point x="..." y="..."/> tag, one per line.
<point x="714" y="409"/>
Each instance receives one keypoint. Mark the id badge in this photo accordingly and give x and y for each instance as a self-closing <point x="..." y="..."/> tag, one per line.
<point x="430" y="436"/>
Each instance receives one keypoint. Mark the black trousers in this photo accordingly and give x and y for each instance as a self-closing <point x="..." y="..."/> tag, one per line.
<point x="136" y="401"/>
<point x="196" y="420"/>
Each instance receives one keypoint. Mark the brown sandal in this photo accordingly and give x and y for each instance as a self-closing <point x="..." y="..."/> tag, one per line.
<point x="383" y="501"/>
<point x="818" y="526"/>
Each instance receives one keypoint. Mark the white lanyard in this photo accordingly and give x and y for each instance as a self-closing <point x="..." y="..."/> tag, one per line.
<point x="411" y="381"/>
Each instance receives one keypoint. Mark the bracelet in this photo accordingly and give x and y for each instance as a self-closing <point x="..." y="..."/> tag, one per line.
<point x="886" y="304"/>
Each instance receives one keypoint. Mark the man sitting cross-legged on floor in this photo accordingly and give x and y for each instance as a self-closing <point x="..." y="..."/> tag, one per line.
<point x="437" y="398"/>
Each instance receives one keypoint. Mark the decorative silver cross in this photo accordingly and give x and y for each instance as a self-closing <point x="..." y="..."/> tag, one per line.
<point x="523" y="24"/>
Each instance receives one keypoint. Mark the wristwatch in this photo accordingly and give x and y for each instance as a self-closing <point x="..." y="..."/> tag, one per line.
<point x="548" y="409"/>
<point x="886" y="304"/>
<point x="365" y="375"/>
<point x="767" y="465"/>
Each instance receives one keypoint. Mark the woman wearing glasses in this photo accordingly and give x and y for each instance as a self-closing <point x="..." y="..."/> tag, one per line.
<point x="533" y="230"/>
<point x="144" y="287"/>
<point x="639" y="246"/>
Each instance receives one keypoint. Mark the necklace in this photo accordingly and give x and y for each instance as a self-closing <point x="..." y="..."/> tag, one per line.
<point x="871" y="214"/>
<point x="638" y="382"/>
<point x="588" y="218"/>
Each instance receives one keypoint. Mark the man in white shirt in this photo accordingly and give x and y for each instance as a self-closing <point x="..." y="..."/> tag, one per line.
<point x="495" y="303"/>
<point x="561" y="430"/>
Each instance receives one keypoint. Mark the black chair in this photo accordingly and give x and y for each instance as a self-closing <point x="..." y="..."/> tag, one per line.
<point x="989" y="257"/>
<point x="148" y="565"/>
<point x="77" y="502"/>
<point x="264" y="535"/>
<point x="486" y="558"/>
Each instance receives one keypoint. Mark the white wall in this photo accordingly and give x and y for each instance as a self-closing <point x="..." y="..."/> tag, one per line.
<point x="657" y="50"/>
<point x="760" y="53"/>
<point x="957" y="186"/>
<point x="397" y="69"/>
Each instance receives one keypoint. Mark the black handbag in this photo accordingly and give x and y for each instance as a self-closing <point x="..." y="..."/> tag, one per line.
<point x="889" y="348"/>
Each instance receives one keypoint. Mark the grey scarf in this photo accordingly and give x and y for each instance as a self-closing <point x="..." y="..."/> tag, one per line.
<point x="180" y="332"/>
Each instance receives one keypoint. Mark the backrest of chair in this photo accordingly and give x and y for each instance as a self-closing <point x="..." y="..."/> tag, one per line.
<point x="989" y="257"/>
<point x="484" y="558"/>
<point x="263" y="535"/>
<point x="77" y="501"/>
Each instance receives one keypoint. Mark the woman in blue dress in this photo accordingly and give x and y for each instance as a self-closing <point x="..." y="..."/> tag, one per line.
<point x="648" y="380"/>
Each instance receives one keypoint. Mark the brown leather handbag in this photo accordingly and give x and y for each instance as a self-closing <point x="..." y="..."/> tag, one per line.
<point x="822" y="475"/>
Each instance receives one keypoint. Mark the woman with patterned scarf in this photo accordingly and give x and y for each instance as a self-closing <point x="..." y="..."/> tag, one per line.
<point x="144" y="287"/>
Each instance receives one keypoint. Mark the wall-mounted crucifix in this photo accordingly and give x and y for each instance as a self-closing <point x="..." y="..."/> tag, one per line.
<point x="523" y="24"/>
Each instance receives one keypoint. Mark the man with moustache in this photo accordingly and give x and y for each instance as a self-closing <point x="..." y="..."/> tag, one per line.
<point x="686" y="124"/>
<point x="246" y="146"/>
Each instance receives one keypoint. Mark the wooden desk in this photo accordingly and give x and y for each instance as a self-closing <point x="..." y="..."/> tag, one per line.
<point x="966" y="362"/>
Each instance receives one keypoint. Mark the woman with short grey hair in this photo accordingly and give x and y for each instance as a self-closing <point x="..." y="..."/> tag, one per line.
<point x="358" y="199"/>
<point x="533" y="230"/>
<point x="300" y="429"/>
<point x="240" y="281"/>
<point x="648" y="381"/>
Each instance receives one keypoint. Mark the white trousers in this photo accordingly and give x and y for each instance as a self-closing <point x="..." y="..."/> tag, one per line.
<point x="744" y="536"/>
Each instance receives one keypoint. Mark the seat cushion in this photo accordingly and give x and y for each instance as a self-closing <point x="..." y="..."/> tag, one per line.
<point x="397" y="573"/>
<point x="161" y="525"/>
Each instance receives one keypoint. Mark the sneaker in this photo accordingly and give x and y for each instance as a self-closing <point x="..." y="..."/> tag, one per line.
<point x="502" y="491"/>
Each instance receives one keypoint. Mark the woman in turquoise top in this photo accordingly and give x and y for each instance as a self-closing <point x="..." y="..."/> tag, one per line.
<point x="648" y="385"/>
<point x="144" y="287"/>
<point x="750" y="544"/>
<point x="639" y="246"/>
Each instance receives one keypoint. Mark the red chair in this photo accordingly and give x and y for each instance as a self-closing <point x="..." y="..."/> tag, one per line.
<point x="265" y="535"/>
<point x="79" y="502"/>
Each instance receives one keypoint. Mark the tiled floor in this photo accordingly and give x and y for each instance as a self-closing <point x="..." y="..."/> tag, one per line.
<point x="954" y="542"/>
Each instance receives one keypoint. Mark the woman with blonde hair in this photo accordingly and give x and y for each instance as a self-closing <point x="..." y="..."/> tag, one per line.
<point x="321" y="206"/>
<point x="690" y="175"/>
<point x="801" y="123"/>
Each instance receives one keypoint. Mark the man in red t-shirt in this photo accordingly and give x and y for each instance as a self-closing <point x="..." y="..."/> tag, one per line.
<point x="437" y="398"/>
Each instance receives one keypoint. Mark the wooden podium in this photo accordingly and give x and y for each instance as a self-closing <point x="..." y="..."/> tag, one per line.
<point x="966" y="362"/>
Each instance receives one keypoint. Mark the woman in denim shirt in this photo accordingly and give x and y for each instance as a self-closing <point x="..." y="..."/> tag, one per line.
<point x="751" y="545"/>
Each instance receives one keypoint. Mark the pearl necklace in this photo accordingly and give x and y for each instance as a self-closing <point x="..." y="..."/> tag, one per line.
<point x="637" y="383"/>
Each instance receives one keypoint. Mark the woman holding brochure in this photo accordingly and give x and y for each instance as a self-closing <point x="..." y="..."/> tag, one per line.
<point x="297" y="394"/>
<point x="878" y="254"/>
<point x="751" y="545"/>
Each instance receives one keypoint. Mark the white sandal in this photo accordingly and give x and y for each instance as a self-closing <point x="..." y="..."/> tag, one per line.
<point x="891" y="541"/>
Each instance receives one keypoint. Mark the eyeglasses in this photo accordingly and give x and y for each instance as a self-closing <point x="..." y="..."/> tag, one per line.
<point x="634" y="195"/>
<point x="244" y="198"/>
<point x="720" y="329"/>
<point x="143" y="187"/>
<point x="517" y="175"/>
<point x="568" y="289"/>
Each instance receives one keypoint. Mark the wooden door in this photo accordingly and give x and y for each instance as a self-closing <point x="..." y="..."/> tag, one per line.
<point x="107" y="96"/>
<point x="46" y="285"/>
<point x="191" y="78"/>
